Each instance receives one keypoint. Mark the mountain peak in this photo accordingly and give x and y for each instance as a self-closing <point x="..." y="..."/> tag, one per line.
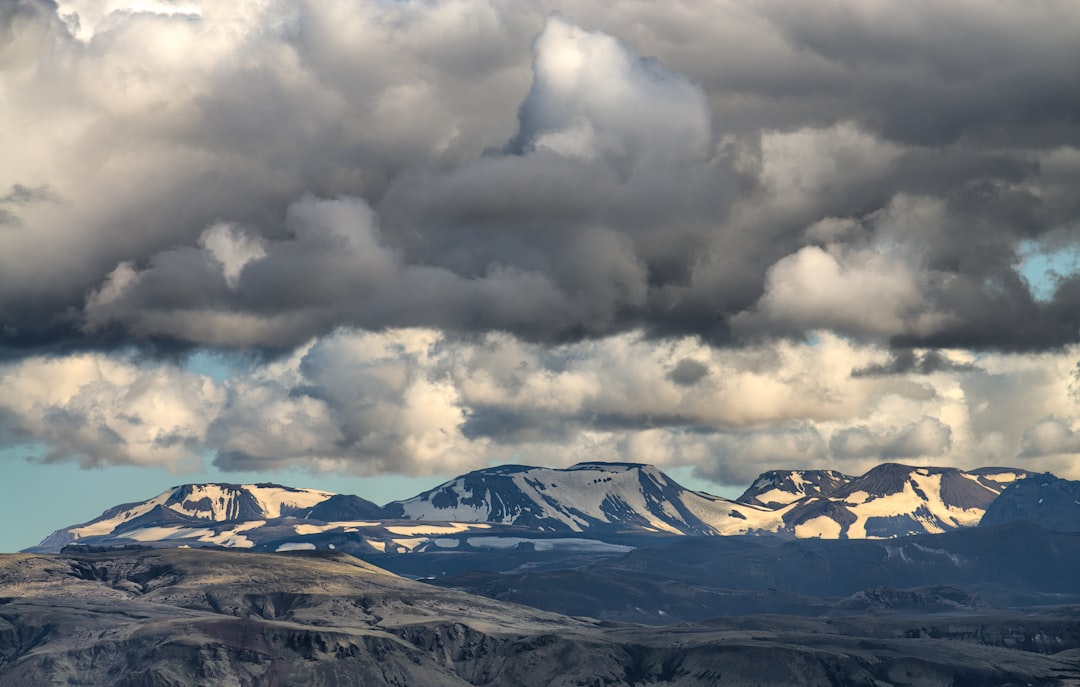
<point x="221" y="501"/>
<point x="613" y="466"/>
<point x="596" y="496"/>
<point x="777" y="488"/>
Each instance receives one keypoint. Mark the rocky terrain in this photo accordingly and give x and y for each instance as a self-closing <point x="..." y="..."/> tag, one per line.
<point x="178" y="617"/>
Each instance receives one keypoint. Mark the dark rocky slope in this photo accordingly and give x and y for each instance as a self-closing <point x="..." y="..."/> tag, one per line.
<point x="171" y="618"/>
<point x="1044" y="500"/>
<point x="686" y="579"/>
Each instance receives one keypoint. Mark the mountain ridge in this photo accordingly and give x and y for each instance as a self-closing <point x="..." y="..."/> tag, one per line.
<point x="517" y="505"/>
<point x="591" y="496"/>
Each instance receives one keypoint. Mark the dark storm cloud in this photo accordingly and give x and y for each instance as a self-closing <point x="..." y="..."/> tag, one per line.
<point x="511" y="427"/>
<point x="927" y="72"/>
<point x="688" y="372"/>
<point x="531" y="243"/>
<point x="20" y="195"/>
<point x="729" y="170"/>
<point x="907" y="361"/>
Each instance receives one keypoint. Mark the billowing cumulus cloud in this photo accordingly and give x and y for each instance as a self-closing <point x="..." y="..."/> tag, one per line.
<point x="927" y="438"/>
<point x="97" y="411"/>
<point x="861" y="291"/>
<point x="591" y="98"/>
<point x="721" y="234"/>
<point x="624" y="167"/>
<point x="416" y="401"/>
<point x="1050" y="437"/>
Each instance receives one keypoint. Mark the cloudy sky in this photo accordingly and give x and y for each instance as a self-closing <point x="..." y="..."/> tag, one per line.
<point x="366" y="245"/>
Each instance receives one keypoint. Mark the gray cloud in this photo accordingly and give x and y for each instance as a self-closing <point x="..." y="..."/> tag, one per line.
<point x="1050" y="437"/>
<point x="740" y="457"/>
<point x="927" y="438"/>
<point x="418" y="401"/>
<point x="675" y="192"/>
<point x="908" y="361"/>
<point x="20" y="195"/>
<point x="97" y="411"/>
<point x="641" y="212"/>
<point x="688" y="372"/>
<point x="928" y="72"/>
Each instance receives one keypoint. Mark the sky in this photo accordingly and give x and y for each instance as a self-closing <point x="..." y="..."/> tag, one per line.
<point x="365" y="246"/>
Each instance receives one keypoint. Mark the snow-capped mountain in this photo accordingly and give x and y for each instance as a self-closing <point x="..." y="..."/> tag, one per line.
<point x="270" y="517"/>
<point x="203" y="505"/>
<point x="593" y="497"/>
<point x="778" y="488"/>
<point x="590" y="506"/>
<point x="894" y="500"/>
<point x="890" y="500"/>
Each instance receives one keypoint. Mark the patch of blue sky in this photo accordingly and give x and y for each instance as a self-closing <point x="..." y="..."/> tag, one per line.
<point x="1044" y="268"/>
<point x="218" y="366"/>
<point x="684" y="475"/>
<point x="37" y="498"/>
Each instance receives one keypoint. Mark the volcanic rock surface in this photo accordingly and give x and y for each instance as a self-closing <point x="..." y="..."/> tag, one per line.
<point x="179" y="617"/>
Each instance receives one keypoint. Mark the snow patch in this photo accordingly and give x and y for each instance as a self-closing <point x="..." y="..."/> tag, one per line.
<point x="954" y="558"/>
<point x="272" y="499"/>
<point x="557" y="544"/>
<point x="413" y="530"/>
<point x="495" y="542"/>
<point x="781" y="496"/>
<point x="821" y="527"/>
<point x="717" y="512"/>
<point x="303" y="528"/>
<point x="575" y="544"/>
<point x="935" y="513"/>
<point x="228" y="537"/>
<point x="100" y="528"/>
<point x="410" y="543"/>
<point x="295" y="546"/>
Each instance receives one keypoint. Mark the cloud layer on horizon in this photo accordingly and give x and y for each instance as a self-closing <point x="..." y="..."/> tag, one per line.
<point x="417" y="401"/>
<point x="569" y="181"/>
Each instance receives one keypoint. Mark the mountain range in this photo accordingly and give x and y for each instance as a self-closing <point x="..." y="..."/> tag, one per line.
<point x="602" y="573"/>
<point x="588" y="508"/>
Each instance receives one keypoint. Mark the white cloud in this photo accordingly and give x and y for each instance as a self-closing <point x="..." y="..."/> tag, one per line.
<point x="851" y="291"/>
<point x="592" y="98"/>
<point x="99" y="411"/>
<point x="285" y="175"/>
<point x="415" y="401"/>
<point x="87" y="17"/>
